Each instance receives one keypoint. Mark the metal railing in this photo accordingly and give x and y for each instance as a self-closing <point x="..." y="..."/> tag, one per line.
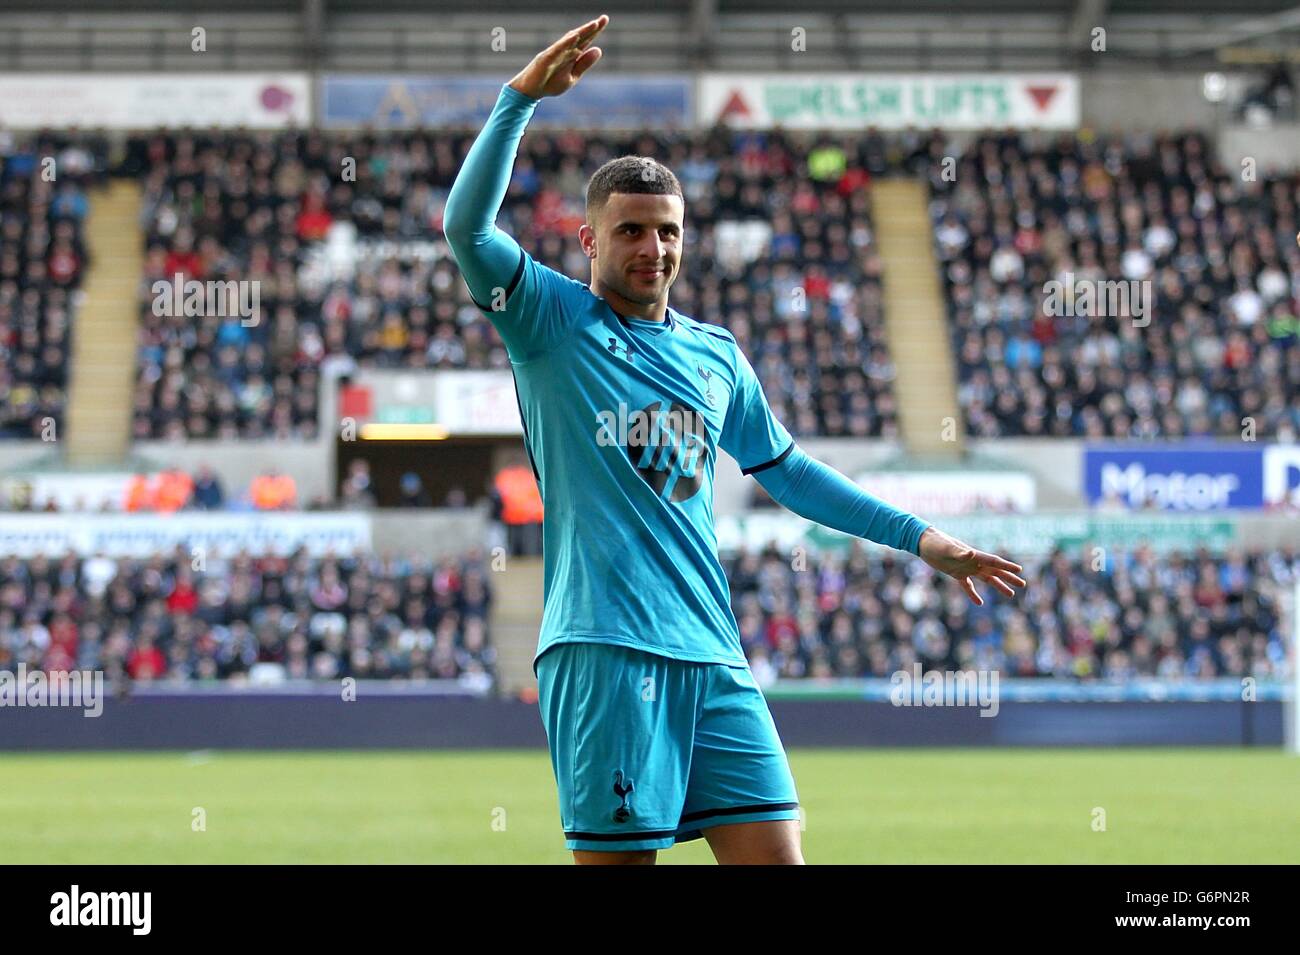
<point x="661" y="42"/>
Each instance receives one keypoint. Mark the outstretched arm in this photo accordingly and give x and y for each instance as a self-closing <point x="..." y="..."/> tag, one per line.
<point x="751" y="433"/>
<point x="818" y="492"/>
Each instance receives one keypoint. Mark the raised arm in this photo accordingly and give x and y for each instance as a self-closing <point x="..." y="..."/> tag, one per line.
<point x="492" y="263"/>
<point x="488" y="258"/>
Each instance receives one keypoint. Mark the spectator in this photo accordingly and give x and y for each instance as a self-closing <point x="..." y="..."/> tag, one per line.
<point x="1213" y="255"/>
<point x="517" y="503"/>
<point x="140" y="493"/>
<point x="273" y="491"/>
<point x="1079" y="623"/>
<point x="42" y="262"/>
<point x="413" y="493"/>
<point x="312" y="618"/>
<point x="208" y="495"/>
<point x="173" y="488"/>
<point x="356" y="493"/>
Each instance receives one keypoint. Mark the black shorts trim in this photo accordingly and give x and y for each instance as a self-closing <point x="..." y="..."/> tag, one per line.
<point x="738" y="810"/>
<point x="519" y="273"/>
<point x="622" y="836"/>
<point x="769" y="464"/>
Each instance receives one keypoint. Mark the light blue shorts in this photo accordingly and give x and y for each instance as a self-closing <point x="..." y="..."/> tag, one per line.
<point x="649" y="751"/>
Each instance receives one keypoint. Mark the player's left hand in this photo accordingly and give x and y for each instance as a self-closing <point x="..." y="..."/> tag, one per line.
<point x="966" y="564"/>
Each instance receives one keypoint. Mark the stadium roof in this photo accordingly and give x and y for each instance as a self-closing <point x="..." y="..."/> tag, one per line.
<point x="669" y="36"/>
<point x="578" y="10"/>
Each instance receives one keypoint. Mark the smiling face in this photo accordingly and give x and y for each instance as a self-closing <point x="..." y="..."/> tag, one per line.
<point x="634" y="241"/>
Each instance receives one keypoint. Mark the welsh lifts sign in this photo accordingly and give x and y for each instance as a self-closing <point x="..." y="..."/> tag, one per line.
<point x="890" y="100"/>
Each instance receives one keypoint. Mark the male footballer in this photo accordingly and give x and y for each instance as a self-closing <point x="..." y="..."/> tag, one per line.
<point x="658" y="732"/>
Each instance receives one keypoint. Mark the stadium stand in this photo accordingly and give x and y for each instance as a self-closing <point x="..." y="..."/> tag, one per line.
<point x="266" y="619"/>
<point x="1184" y="616"/>
<point x="45" y="181"/>
<point x="783" y="256"/>
<point x="1221" y="341"/>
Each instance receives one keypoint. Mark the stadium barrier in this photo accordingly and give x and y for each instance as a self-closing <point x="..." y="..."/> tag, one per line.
<point x="386" y="715"/>
<point x="1167" y="477"/>
<point x="439" y="532"/>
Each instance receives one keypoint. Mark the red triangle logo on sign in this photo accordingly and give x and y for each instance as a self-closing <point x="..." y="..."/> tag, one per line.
<point x="1042" y="96"/>
<point x="735" y="106"/>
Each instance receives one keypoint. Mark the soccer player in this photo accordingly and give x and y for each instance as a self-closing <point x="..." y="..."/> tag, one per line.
<point x="657" y="730"/>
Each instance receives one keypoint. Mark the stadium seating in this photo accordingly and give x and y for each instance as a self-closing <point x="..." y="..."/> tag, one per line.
<point x="780" y="252"/>
<point x="1185" y="616"/>
<point x="1221" y="341"/>
<point x="292" y="617"/>
<point x="44" y="183"/>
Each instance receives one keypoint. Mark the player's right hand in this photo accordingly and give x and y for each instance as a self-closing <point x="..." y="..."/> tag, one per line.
<point x="560" y="65"/>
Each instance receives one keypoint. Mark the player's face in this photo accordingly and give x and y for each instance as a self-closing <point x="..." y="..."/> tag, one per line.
<point x="638" y="242"/>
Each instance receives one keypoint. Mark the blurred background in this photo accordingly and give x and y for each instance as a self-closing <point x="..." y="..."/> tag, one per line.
<point x="1027" y="269"/>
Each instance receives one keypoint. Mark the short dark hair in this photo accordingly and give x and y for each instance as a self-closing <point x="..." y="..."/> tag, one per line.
<point x="632" y="174"/>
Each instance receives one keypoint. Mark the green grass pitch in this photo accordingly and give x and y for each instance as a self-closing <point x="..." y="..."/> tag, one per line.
<point x="895" y="806"/>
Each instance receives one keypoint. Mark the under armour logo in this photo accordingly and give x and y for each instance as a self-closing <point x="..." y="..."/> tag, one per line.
<point x="615" y="344"/>
<point x="622" y="813"/>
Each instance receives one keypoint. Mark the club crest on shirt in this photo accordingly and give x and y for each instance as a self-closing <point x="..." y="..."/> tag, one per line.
<point x="709" y="398"/>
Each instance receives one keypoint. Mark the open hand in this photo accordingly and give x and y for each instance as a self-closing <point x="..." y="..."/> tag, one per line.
<point x="560" y="65"/>
<point x="966" y="564"/>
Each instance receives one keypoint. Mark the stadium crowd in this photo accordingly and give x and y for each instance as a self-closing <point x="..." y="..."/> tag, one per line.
<point x="44" y="185"/>
<point x="1205" y="341"/>
<point x="264" y="618"/>
<point x="1184" y="616"/>
<point x="343" y="233"/>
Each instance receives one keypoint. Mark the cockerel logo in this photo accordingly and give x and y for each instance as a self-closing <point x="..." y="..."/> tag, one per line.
<point x="622" y="791"/>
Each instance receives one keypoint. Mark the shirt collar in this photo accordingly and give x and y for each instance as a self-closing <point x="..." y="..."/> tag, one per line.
<point x="669" y="320"/>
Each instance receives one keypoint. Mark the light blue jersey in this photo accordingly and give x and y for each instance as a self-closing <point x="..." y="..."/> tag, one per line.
<point x="624" y="420"/>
